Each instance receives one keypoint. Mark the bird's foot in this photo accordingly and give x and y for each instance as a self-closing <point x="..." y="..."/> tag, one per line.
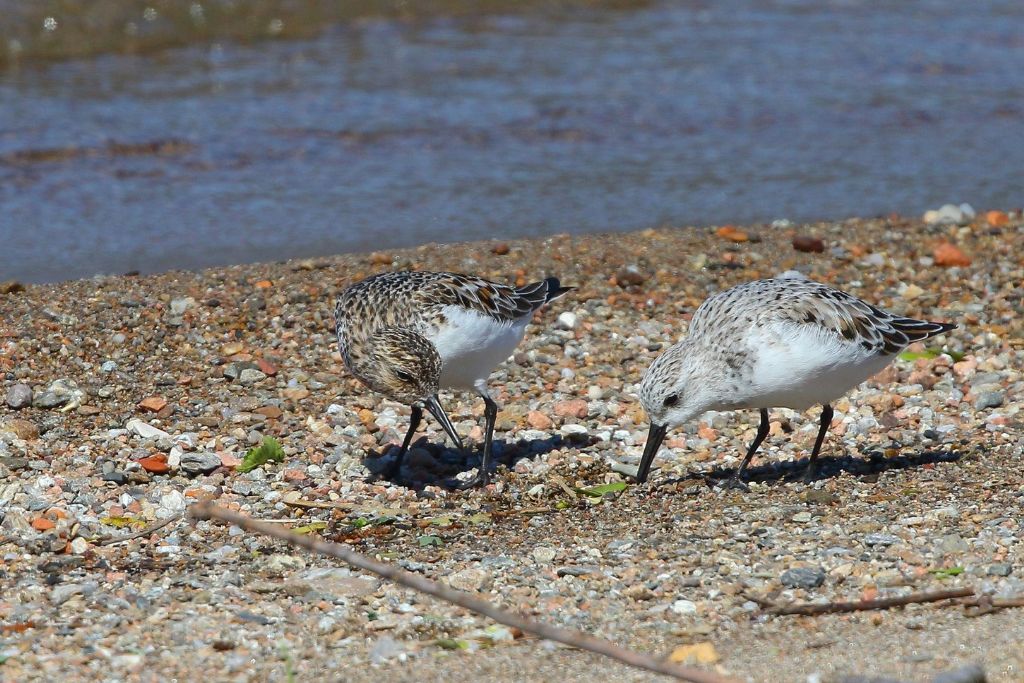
<point x="734" y="482"/>
<point x="482" y="478"/>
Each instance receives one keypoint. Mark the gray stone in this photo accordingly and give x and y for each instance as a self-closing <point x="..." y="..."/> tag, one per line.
<point x="803" y="577"/>
<point x="952" y="543"/>
<point x="199" y="463"/>
<point x="471" y="579"/>
<point x="61" y="392"/>
<point x="1000" y="569"/>
<point x="251" y="376"/>
<point x="989" y="399"/>
<point x="880" y="539"/>
<point x="19" y="396"/>
<point x="233" y="371"/>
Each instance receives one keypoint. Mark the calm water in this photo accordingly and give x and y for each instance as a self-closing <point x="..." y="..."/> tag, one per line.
<point x="379" y="132"/>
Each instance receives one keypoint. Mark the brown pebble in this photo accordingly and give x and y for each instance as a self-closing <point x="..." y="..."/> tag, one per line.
<point x="500" y="249"/>
<point x="809" y="244"/>
<point x="153" y="404"/>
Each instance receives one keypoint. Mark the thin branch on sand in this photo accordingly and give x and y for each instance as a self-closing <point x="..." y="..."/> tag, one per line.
<point x="965" y="597"/>
<point x="568" y="637"/>
<point x="142" y="533"/>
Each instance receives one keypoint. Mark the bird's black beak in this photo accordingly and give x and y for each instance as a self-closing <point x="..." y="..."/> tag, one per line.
<point x="434" y="406"/>
<point x="655" y="436"/>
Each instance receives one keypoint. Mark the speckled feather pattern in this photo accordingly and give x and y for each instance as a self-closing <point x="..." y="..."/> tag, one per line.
<point x="416" y="301"/>
<point x="727" y="329"/>
<point x="732" y="312"/>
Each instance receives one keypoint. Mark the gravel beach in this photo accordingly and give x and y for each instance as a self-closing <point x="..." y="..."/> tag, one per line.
<point x="125" y="399"/>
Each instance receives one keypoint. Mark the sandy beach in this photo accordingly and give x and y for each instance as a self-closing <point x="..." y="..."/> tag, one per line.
<point x="125" y="399"/>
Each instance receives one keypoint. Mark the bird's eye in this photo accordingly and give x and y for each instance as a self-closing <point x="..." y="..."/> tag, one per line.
<point x="671" y="400"/>
<point x="403" y="375"/>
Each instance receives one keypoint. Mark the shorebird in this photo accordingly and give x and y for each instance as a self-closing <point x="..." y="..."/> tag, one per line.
<point x="408" y="334"/>
<point x="784" y="342"/>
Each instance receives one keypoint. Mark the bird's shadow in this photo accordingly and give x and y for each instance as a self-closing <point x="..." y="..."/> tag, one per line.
<point x="437" y="464"/>
<point x="871" y="464"/>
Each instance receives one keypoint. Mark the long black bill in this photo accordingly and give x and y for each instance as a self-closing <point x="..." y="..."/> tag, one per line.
<point x="655" y="436"/>
<point x="434" y="406"/>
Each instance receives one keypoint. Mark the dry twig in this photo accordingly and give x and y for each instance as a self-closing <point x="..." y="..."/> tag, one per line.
<point x="575" y="639"/>
<point x="141" y="533"/>
<point x="965" y="597"/>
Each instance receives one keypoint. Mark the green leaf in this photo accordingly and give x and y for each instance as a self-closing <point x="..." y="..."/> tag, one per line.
<point x="122" y="522"/>
<point x="947" y="571"/>
<point x="310" y="528"/>
<point x="563" y="505"/>
<point x="451" y="644"/>
<point x="268" y="450"/>
<point x="444" y="520"/>
<point x="931" y="353"/>
<point x="601" y="490"/>
<point x="429" y="540"/>
<point x="479" y="518"/>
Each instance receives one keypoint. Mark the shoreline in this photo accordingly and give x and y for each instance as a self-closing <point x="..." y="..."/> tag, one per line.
<point x="148" y="390"/>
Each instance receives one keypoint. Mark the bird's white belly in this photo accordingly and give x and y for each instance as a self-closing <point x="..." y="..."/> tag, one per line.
<point x="471" y="345"/>
<point x="801" y="370"/>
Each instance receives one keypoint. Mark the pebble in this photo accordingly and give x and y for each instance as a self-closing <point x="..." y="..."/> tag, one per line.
<point x="990" y="399"/>
<point x="566" y="321"/>
<point x="19" y="396"/>
<point x="199" y="462"/>
<point x="803" y="577"/>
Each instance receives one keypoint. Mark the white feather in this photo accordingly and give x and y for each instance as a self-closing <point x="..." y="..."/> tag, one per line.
<point x="471" y="345"/>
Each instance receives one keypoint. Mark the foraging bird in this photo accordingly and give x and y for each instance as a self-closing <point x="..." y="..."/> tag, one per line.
<point x="408" y="334"/>
<point x="783" y="342"/>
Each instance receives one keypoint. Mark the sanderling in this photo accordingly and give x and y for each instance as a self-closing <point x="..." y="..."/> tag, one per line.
<point x="409" y="334"/>
<point x="784" y="342"/>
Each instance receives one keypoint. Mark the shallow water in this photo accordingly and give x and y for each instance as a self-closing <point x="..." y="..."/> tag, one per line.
<point x="380" y="132"/>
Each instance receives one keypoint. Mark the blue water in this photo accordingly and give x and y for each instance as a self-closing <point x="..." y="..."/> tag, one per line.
<point x="379" y="134"/>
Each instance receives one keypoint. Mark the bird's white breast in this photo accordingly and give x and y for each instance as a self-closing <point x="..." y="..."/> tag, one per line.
<point x="471" y="345"/>
<point x="798" y="366"/>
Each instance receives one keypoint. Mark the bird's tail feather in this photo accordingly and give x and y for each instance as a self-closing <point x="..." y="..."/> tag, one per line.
<point x="917" y="330"/>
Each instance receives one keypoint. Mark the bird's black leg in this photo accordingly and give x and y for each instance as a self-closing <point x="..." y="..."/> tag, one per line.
<point x="483" y="475"/>
<point x="414" y="422"/>
<point x="736" y="480"/>
<point x="826" y="422"/>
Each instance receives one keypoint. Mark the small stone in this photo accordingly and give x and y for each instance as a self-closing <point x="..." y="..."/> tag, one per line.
<point x="157" y="464"/>
<point x="153" y="404"/>
<point x="199" y="463"/>
<point x="60" y="392"/>
<point x="43" y="524"/>
<point x="912" y="292"/>
<point x="179" y="306"/>
<point x="808" y="244"/>
<point x="146" y="431"/>
<point x="19" y="396"/>
<point x="803" y="577"/>
<point x="171" y="503"/>
<point x="79" y="546"/>
<point x="471" y="579"/>
<point x="950" y="255"/>
<point x="880" y="539"/>
<point x="500" y="249"/>
<point x="566" y="321"/>
<point x="233" y="371"/>
<point x="684" y="607"/>
<point x="23" y="429"/>
<point x="543" y="554"/>
<point x="384" y="649"/>
<point x="270" y="412"/>
<point x="952" y="543"/>
<point x="732" y="233"/>
<point x="1000" y="569"/>
<point x="630" y="276"/>
<point x="250" y="376"/>
<point x="573" y="408"/>
<point x="538" y="420"/>
<point x="989" y="399"/>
